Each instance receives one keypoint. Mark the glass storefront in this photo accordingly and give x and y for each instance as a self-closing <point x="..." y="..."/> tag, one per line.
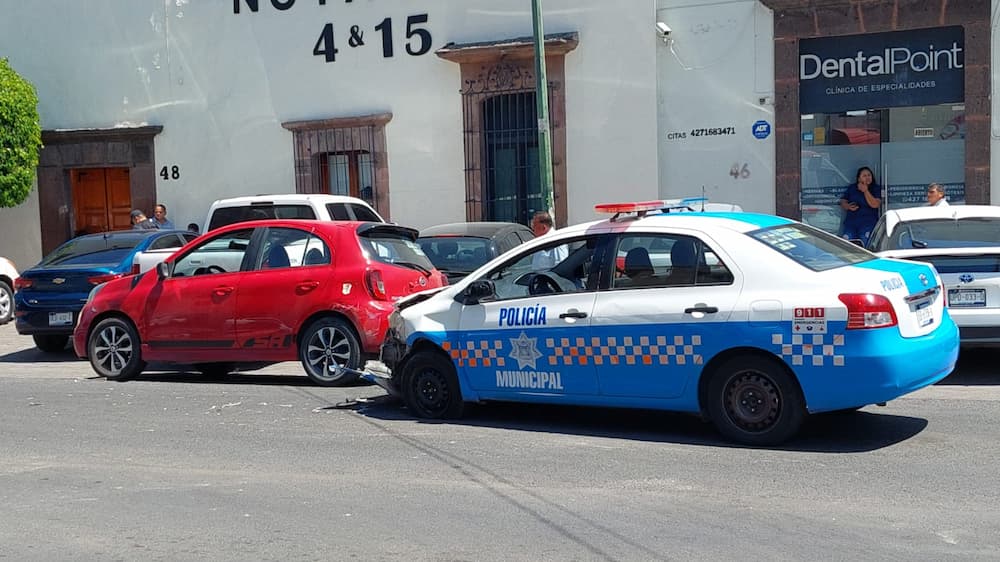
<point x="892" y="102"/>
<point x="907" y="147"/>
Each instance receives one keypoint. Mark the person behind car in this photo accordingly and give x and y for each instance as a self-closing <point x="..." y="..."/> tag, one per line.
<point x="861" y="200"/>
<point x="541" y="225"/>
<point x="140" y="222"/>
<point x="160" y="217"/>
<point x="935" y="196"/>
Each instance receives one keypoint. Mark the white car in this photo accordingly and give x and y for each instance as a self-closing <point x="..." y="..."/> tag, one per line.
<point x="314" y="206"/>
<point x="750" y="320"/>
<point x="8" y="274"/>
<point x="963" y="244"/>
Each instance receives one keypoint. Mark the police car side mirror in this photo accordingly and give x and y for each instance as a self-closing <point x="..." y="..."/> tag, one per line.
<point x="857" y="242"/>
<point x="477" y="291"/>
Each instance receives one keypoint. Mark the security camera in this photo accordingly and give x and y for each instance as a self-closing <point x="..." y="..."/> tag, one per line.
<point x="663" y="28"/>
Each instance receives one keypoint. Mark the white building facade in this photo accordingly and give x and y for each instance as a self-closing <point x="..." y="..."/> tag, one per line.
<point x="428" y="109"/>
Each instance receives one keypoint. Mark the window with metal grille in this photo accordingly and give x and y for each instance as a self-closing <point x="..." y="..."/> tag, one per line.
<point x="512" y="190"/>
<point x="343" y="156"/>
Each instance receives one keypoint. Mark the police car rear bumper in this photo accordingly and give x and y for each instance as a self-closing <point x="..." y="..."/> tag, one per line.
<point x="883" y="366"/>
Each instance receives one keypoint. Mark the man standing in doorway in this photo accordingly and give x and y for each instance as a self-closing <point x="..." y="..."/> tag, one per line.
<point x="160" y="218"/>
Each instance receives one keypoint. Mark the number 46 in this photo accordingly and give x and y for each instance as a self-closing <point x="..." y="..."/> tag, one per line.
<point x="740" y="172"/>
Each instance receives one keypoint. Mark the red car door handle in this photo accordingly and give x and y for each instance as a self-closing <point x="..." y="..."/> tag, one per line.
<point x="223" y="291"/>
<point x="307" y="285"/>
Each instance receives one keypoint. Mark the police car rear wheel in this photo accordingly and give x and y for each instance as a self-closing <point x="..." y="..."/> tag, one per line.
<point x="430" y="387"/>
<point x="327" y="344"/>
<point x="754" y="400"/>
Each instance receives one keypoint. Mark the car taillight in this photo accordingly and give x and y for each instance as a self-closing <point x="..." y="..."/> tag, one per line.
<point x="22" y="283"/>
<point x="375" y="284"/>
<point x="136" y="270"/>
<point x="866" y="310"/>
<point x="98" y="279"/>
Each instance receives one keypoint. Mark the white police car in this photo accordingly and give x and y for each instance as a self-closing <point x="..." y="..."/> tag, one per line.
<point x="750" y="320"/>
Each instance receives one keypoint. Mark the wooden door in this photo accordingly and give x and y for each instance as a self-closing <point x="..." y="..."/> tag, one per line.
<point x="102" y="200"/>
<point x="119" y="198"/>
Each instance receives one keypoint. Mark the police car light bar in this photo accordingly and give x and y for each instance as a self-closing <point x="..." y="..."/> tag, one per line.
<point x="618" y="208"/>
<point x="643" y="207"/>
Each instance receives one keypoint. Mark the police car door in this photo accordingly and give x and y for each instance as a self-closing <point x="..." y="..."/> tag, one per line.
<point x="528" y="338"/>
<point x="663" y="315"/>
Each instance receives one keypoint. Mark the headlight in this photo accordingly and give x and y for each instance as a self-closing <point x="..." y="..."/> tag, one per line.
<point x="93" y="293"/>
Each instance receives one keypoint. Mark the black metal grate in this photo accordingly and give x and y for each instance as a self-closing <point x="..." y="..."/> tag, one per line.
<point x="501" y="145"/>
<point x="339" y="161"/>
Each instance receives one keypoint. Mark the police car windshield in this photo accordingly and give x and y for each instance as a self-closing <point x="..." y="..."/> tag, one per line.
<point x="812" y="248"/>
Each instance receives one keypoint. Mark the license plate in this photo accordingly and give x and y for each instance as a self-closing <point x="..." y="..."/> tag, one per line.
<point x="60" y="319"/>
<point x="925" y="316"/>
<point x="966" y="297"/>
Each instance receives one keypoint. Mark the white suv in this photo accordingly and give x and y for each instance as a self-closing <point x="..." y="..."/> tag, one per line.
<point x="8" y="274"/>
<point x="314" y="206"/>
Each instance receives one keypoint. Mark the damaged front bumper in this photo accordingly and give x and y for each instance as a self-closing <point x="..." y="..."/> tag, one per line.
<point x="380" y="372"/>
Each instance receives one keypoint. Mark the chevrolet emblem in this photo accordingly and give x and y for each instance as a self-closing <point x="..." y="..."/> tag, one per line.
<point x="59" y="280"/>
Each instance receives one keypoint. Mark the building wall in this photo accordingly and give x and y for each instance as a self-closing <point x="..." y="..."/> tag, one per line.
<point x="221" y="84"/>
<point x="20" y="237"/>
<point x="716" y="81"/>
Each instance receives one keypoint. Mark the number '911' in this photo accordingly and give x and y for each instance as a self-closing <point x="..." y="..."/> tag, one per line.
<point x="418" y="39"/>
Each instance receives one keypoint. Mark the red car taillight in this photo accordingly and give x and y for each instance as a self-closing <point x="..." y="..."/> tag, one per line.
<point x="136" y="270"/>
<point x="98" y="279"/>
<point x="22" y="283"/>
<point x="865" y="311"/>
<point x="375" y="284"/>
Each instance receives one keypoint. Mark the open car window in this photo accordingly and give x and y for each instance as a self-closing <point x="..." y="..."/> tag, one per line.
<point x="220" y="254"/>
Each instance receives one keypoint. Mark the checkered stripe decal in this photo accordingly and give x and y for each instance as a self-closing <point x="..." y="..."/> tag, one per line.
<point x="625" y="350"/>
<point x="818" y="350"/>
<point x="484" y="353"/>
<point x="611" y="350"/>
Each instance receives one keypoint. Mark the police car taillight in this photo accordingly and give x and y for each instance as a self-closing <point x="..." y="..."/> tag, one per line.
<point x="866" y="311"/>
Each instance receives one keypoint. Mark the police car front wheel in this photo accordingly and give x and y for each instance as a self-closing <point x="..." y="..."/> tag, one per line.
<point x="430" y="387"/>
<point x="754" y="400"/>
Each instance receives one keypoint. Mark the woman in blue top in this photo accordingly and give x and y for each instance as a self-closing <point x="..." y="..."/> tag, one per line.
<point x="861" y="200"/>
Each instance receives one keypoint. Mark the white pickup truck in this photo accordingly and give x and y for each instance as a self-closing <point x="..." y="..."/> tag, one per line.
<point x="161" y="250"/>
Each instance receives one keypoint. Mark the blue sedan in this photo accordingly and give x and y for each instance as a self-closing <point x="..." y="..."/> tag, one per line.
<point x="49" y="296"/>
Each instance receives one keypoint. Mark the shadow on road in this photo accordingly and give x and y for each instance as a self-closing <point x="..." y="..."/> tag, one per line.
<point x="853" y="432"/>
<point x="976" y="366"/>
<point x="240" y="377"/>
<point x="35" y="355"/>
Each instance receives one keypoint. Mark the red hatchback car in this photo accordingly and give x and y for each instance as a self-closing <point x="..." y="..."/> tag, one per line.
<point x="256" y="293"/>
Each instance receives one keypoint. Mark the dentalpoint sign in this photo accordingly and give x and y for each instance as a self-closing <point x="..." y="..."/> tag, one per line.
<point x="902" y="68"/>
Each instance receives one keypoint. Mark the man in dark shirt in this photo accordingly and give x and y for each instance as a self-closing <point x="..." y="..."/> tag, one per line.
<point x="140" y="222"/>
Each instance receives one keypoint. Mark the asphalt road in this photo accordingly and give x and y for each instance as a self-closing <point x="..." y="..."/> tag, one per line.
<point x="266" y="466"/>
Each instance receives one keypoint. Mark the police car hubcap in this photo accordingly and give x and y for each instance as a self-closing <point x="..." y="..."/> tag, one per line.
<point x="752" y="401"/>
<point x="430" y="390"/>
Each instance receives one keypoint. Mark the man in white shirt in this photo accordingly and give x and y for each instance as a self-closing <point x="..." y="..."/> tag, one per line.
<point x="935" y="196"/>
<point x="541" y="225"/>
